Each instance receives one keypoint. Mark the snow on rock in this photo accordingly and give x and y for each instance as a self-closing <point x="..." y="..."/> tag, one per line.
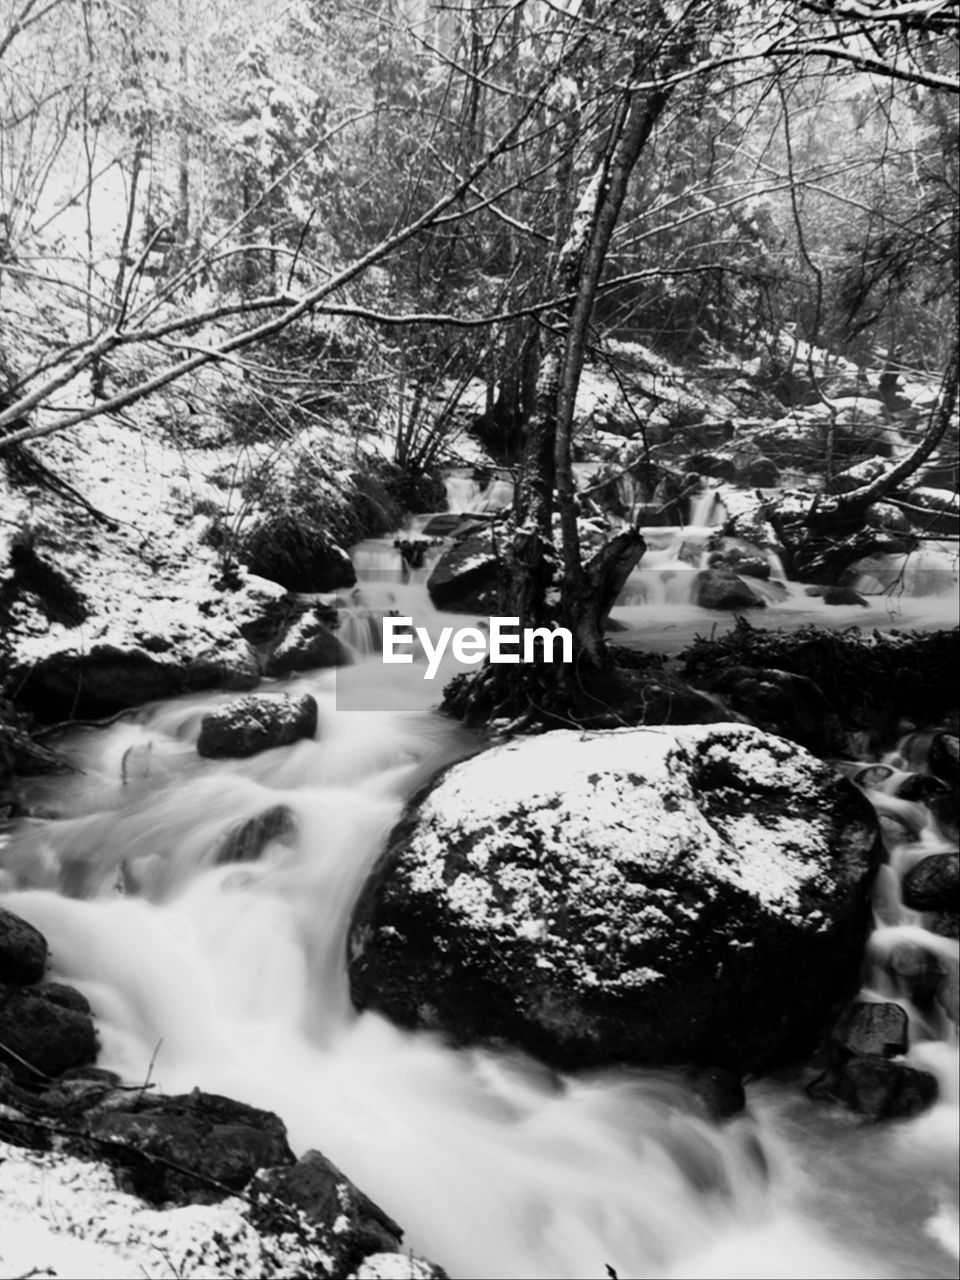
<point x="257" y="723"/>
<point x="109" y="607"/>
<point x="464" y="578"/>
<point x="66" y="1217"/>
<point x="693" y="894"/>
<point x="396" y="1266"/>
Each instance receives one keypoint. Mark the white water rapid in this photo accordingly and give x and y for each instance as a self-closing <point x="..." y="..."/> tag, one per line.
<point x="232" y="978"/>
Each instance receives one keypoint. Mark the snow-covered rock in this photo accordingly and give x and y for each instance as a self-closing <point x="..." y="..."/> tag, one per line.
<point x="257" y="723"/>
<point x="464" y="579"/>
<point x="695" y="894"/>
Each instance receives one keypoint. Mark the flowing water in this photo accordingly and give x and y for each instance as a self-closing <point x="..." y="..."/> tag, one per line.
<point x="231" y="978"/>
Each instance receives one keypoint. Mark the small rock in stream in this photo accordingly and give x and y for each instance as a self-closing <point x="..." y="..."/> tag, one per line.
<point x="876" y="1087"/>
<point x="933" y="883"/>
<point x="873" y="1028"/>
<point x="253" y="724"/>
<point x="916" y="969"/>
<point x="247" y="842"/>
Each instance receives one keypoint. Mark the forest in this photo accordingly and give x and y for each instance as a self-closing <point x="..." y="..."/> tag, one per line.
<point x="635" y="321"/>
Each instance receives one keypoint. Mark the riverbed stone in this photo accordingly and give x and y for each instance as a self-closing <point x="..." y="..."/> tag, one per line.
<point x="944" y="758"/>
<point x="780" y="702"/>
<point x="919" y="972"/>
<point x="351" y="1226"/>
<point x="310" y="643"/>
<point x="247" y="842"/>
<point x="43" y="1032"/>
<point x="23" y="950"/>
<point x="873" y="1027"/>
<point x="464" y="579"/>
<point x="721" y="588"/>
<point x="876" y="1087"/>
<point x="691" y="895"/>
<point x="933" y="883"/>
<point x="192" y="1148"/>
<point x="257" y="723"/>
<point x="108" y="678"/>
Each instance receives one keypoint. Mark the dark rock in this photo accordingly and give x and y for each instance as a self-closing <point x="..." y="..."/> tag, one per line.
<point x="350" y="1225"/>
<point x="843" y="595"/>
<point x="752" y="567"/>
<point x="464" y="579"/>
<point x="933" y="883"/>
<point x="65" y="997"/>
<point x="296" y="553"/>
<point x="945" y="808"/>
<point x="247" y="842"/>
<point x="258" y="723"/>
<point x="715" y="465"/>
<point x="943" y="760"/>
<point x="413" y="551"/>
<point x="107" y="679"/>
<point x="42" y="1033"/>
<point x="614" y="899"/>
<point x="458" y="524"/>
<point x="946" y="924"/>
<point x="80" y="1089"/>
<point x="782" y="703"/>
<point x="215" y="1144"/>
<point x="759" y="473"/>
<point x="274" y="619"/>
<point x="742" y="562"/>
<point x="721" y="588"/>
<point x="948" y="994"/>
<point x="444" y="524"/>
<point x="878" y="1029"/>
<point x="309" y="643"/>
<point x="918" y="972"/>
<point x="720" y="1091"/>
<point x="876" y="1087"/>
<point x="23" y="950"/>
<point x="920" y="787"/>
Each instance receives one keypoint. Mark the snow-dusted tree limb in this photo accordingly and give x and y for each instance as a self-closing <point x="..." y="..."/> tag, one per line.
<point x="929" y="441"/>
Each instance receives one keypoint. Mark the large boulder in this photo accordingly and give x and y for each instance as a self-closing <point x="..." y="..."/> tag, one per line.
<point x="297" y="553"/>
<point x="257" y="723"/>
<point x="464" y="579"/>
<point x="687" y="895"/>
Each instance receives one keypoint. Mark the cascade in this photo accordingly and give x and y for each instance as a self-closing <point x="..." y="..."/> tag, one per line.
<point x="232" y="978"/>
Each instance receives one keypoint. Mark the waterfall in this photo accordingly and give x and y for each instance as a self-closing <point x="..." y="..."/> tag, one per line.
<point x="466" y="494"/>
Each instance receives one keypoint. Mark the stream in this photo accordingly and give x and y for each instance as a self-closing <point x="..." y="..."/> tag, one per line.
<point x="232" y="978"/>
